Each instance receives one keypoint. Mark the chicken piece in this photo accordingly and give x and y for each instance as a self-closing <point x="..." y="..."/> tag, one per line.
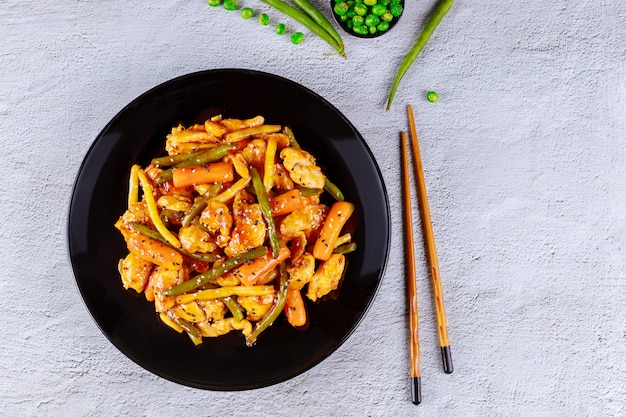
<point x="302" y="168"/>
<point x="217" y="219"/>
<point x="250" y="229"/>
<point x="136" y="213"/>
<point x="239" y="163"/>
<point x="256" y="306"/>
<point x="135" y="272"/>
<point x="254" y="152"/>
<point x="191" y="312"/>
<point x="305" y="221"/>
<point x="214" y="310"/>
<point x="221" y="327"/>
<point x="237" y="124"/>
<point x="174" y="202"/>
<point x="282" y="181"/>
<point x="194" y="239"/>
<point x="215" y="128"/>
<point x="301" y="272"/>
<point x="163" y="279"/>
<point x="182" y="140"/>
<point x="327" y="277"/>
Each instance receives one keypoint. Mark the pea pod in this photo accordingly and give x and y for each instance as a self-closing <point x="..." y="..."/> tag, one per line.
<point x="216" y="271"/>
<point x="264" y="203"/>
<point x="435" y="18"/>
<point x="306" y="21"/>
<point x="270" y="317"/>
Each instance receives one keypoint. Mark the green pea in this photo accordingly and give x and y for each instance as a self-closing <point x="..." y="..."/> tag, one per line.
<point x="379" y="10"/>
<point x="382" y="26"/>
<point x="350" y="13"/>
<point x="384" y="2"/>
<point x="349" y="24"/>
<point x="230" y="4"/>
<point x="341" y="8"/>
<point x="214" y="2"/>
<point x="372" y="20"/>
<point x="432" y="96"/>
<point x="264" y="19"/>
<point x="281" y="28"/>
<point x="360" y="30"/>
<point x="357" y="20"/>
<point x="297" y="38"/>
<point x="360" y="9"/>
<point x="396" y="9"/>
<point x="247" y="13"/>
<point x="344" y="18"/>
<point x="370" y="2"/>
<point x="387" y="16"/>
<point x="372" y="30"/>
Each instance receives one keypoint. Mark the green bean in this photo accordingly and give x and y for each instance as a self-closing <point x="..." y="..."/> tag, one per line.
<point x="235" y="308"/>
<point x="154" y="234"/>
<point x="306" y="21"/>
<point x="171" y="217"/>
<point x="333" y="190"/>
<point x="308" y="192"/>
<point x="215" y="272"/>
<point x="320" y="19"/>
<point x="440" y="11"/>
<point x="270" y="317"/>
<point x="292" y="138"/>
<point x="200" y="204"/>
<point x="171" y="160"/>
<point x="347" y="248"/>
<point x="164" y="176"/>
<point x="188" y="327"/>
<point x="208" y="156"/>
<point x="264" y="203"/>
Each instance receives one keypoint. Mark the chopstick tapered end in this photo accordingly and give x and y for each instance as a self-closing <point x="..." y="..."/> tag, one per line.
<point x="446" y="356"/>
<point x="416" y="390"/>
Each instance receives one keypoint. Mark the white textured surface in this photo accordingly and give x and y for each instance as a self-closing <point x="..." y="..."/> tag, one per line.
<point x="525" y="166"/>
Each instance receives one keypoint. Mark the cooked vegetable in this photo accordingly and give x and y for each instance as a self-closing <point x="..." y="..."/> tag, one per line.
<point x="286" y="202"/>
<point x="267" y="211"/>
<point x="438" y="14"/>
<point x="133" y="185"/>
<point x="306" y="20"/>
<point x="337" y="217"/>
<point x="202" y="174"/>
<point x="295" y="310"/>
<point x="153" y="211"/>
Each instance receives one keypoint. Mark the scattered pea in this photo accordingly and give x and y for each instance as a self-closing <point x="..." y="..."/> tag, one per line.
<point x="281" y="28"/>
<point x="432" y="96"/>
<point x="247" y="13"/>
<point x="297" y="38"/>
<point x="230" y="5"/>
<point x="214" y="2"/>
<point x="264" y="19"/>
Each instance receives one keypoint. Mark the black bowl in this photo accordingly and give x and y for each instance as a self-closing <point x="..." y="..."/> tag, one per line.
<point x="345" y="27"/>
<point x="135" y="135"/>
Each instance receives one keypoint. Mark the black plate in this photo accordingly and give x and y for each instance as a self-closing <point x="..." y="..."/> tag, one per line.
<point x="137" y="134"/>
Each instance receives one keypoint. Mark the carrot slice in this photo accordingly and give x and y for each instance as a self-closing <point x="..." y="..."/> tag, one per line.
<point x="286" y="202"/>
<point x="152" y="250"/>
<point x="337" y="217"/>
<point x="294" y="308"/>
<point x="250" y="272"/>
<point x="203" y="174"/>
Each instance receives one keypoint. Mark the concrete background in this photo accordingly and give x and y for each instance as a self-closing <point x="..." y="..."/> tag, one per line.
<point x="525" y="166"/>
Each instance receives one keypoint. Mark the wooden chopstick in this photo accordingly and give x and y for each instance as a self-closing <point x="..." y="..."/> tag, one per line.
<point x="442" y="322"/>
<point x="416" y="385"/>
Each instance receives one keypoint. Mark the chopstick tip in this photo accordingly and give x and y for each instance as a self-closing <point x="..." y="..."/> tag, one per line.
<point x="446" y="356"/>
<point x="416" y="390"/>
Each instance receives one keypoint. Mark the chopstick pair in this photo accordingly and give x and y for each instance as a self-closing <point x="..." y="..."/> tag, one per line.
<point x="429" y="237"/>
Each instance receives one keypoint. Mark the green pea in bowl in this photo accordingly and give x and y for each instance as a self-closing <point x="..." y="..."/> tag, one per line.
<point x="367" y="18"/>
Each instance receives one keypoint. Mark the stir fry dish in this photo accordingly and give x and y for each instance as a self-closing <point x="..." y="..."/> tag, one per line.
<point x="232" y="227"/>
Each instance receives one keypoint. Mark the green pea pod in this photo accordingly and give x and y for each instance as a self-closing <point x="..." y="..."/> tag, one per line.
<point x="435" y="18"/>
<point x="217" y="271"/>
<point x="270" y="317"/>
<point x="264" y="203"/>
<point x="304" y="19"/>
